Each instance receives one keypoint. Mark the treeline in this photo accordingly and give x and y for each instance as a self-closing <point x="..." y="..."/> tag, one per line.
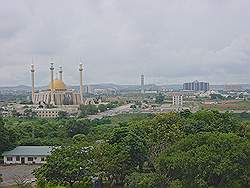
<point x="53" y="132"/>
<point x="176" y="150"/>
<point x="7" y="137"/>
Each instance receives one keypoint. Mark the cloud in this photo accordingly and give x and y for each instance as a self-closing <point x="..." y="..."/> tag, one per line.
<point x="170" y="41"/>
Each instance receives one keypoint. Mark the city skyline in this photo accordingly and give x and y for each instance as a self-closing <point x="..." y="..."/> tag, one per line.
<point x="170" y="42"/>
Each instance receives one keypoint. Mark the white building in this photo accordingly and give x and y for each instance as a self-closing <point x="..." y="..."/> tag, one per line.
<point x="53" y="112"/>
<point x="27" y="155"/>
<point x="177" y="100"/>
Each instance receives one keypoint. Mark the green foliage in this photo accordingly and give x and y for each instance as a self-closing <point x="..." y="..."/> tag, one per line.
<point x="67" y="165"/>
<point x="74" y="127"/>
<point x="124" y="154"/>
<point x="177" y="150"/>
<point x="48" y="131"/>
<point x="7" y="137"/>
<point x="145" y="180"/>
<point x="209" y="121"/>
<point x="159" y="98"/>
<point x="92" y="109"/>
<point x="207" y="159"/>
<point x="89" y="109"/>
<point x="162" y="131"/>
<point x="217" y="97"/>
<point x="113" y="104"/>
<point x="86" y="182"/>
<point x="62" y="115"/>
<point x="176" y="184"/>
<point x="244" y="115"/>
<point x="102" y="107"/>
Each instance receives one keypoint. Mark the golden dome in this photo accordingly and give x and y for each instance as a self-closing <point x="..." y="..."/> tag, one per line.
<point x="58" y="85"/>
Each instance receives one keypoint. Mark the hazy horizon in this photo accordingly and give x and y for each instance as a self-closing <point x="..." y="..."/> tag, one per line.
<point x="169" y="41"/>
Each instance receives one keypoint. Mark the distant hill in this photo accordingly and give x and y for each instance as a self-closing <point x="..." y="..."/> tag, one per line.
<point x="16" y="88"/>
<point x="116" y="87"/>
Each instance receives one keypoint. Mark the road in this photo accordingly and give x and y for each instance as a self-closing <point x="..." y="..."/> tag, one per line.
<point x="115" y="111"/>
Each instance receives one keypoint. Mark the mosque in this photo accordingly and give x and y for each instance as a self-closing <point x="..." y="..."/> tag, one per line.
<point x="57" y="94"/>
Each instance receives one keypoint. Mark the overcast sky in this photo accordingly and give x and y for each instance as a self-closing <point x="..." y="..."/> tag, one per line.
<point x="170" y="41"/>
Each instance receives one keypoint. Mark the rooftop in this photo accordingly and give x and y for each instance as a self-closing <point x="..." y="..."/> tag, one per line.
<point x="29" y="151"/>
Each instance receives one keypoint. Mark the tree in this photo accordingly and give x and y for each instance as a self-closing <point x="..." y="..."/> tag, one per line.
<point x="102" y="107"/>
<point x="15" y="113"/>
<point x="145" y="180"/>
<point x="62" y="115"/>
<point x="125" y="153"/>
<point x="216" y="96"/>
<point x="185" y="113"/>
<point x="134" y="142"/>
<point x="67" y="165"/>
<point x="209" y="121"/>
<point x="7" y="137"/>
<point x="113" y="104"/>
<point x="27" y="112"/>
<point x="161" y="132"/>
<point x="241" y="95"/>
<point x="74" y="127"/>
<point x="159" y="98"/>
<point x="79" y="138"/>
<point x="207" y="159"/>
<point x="89" y="109"/>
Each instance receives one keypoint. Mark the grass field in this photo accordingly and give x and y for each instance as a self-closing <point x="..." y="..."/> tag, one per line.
<point x="228" y="105"/>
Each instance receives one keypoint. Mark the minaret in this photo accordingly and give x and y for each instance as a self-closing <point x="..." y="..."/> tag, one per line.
<point x="60" y="72"/>
<point x="81" y="82"/>
<point x="52" y="101"/>
<point x="142" y="84"/>
<point x="32" y="83"/>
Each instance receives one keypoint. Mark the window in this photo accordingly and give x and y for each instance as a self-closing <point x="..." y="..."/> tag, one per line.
<point x="9" y="158"/>
<point x="30" y="158"/>
<point x="17" y="158"/>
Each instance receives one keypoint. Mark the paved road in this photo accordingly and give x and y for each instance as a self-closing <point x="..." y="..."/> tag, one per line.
<point x="11" y="174"/>
<point x="115" y="111"/>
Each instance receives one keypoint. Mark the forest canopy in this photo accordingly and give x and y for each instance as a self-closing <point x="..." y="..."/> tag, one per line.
<point x="202" y="149"/>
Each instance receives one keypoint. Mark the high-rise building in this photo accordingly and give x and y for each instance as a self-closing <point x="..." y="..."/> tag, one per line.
<point x="196" y="86"/>
<point x="142" y="84"/>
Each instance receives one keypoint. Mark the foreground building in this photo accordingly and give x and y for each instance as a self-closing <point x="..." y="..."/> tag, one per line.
<point x="196" y="86"/>
<point x="27" y="155"/>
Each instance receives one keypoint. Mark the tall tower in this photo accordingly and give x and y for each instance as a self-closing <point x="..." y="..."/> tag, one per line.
<point x="32" y="70"/>
<point x="142" y="84"/>
<point x="81" y="81"/>
<point x="60" y="73"/>
<point x="52" y="101"/>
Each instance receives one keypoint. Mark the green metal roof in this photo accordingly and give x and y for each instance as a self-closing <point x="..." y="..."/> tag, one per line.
<point x="29" y="151"/>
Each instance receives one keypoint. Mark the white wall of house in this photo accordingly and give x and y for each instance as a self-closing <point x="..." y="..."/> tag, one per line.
<point x="27" y="159"/>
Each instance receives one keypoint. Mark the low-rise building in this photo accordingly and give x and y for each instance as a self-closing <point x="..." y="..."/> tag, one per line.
<point x="54" y="112"/>
<point x="27" y="155"/>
